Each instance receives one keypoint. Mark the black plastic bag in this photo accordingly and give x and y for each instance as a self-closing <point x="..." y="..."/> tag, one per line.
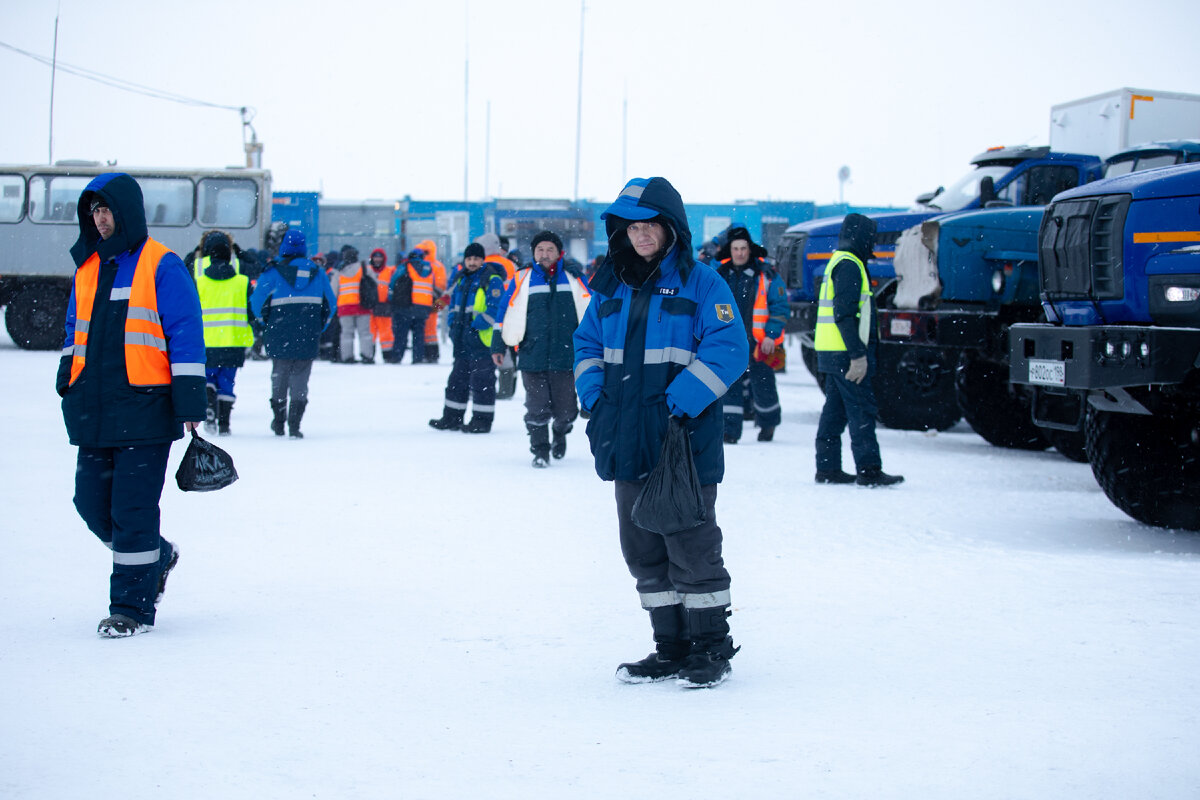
<point x="205" y="467"/>
<point x="670" y="500"/>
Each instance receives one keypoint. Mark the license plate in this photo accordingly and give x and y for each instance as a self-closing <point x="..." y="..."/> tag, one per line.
<point x="1047" y="373"/>
<point x="901" y="327"/>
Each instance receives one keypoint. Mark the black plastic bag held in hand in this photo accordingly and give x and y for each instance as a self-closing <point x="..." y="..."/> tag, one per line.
<point x="670" y="501"/>
<point x="205" y="467"/>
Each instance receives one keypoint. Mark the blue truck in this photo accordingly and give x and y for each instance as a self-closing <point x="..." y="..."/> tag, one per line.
<point x="965" y="278"/>
<point x="919" y="383"/>
<point x="1119" y="357"/>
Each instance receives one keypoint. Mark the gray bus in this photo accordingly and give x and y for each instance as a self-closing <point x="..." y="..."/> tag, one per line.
<point x="38" y="225"/>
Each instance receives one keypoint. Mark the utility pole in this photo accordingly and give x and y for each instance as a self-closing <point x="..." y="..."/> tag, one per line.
<point x="625" y="135"/>
<point x="466" y="91"/>
<point x="487" y="154"/>
<point x="579" y="101"/>
<point x="53" y="72"/>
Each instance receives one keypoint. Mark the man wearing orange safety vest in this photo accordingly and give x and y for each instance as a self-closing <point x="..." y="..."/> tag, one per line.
<point x="381" y="313"/>
<point x="411" y="293"/>
<point x="440" y="282"/>
<point x="762" y="301"/>
<point x="354" y="309"/>
<point x="131" y="379"/>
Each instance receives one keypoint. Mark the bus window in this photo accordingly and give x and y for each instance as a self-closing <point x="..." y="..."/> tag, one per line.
<point x="168" y="201"/>
<point x="12" y="198"/>
<point x="228" y="202"/>
<point x="55" y="198"/>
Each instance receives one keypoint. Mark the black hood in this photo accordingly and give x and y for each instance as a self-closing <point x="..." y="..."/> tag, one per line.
<point x="123" y="195"/>
<point x="858" y="236"/>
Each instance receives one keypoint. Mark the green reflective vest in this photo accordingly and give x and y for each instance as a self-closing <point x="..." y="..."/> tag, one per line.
<point x="480" y="307"/>
<point x="223" y="308"/>
<point x="828" y="337"/>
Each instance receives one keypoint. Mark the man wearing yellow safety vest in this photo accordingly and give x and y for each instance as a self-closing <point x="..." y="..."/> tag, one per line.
<point x="224" y="303"/>
<point x="494" y="248"/>
<point x="474" y="306"/>
<point x="762" y="300"/>
<point x="131" y="379"/>
<point x="846" y="339"/>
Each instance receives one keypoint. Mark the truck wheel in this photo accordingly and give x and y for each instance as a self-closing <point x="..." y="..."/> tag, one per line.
<point x="1069" y="444"/>
<point x="1149" y="466"/>
<point x="35" y="318"/>
<point x="914" y="387"/>
<point x="991" y="407"/>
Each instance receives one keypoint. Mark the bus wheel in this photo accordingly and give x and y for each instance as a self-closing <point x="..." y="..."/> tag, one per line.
<point x="35" y="318"/>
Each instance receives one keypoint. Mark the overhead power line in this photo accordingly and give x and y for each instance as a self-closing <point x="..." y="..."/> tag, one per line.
<point x="118" y="83"/>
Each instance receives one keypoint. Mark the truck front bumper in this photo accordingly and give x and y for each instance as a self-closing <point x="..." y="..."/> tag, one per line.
<point x="957" y="329"/>
<point x="1101" y="356"/>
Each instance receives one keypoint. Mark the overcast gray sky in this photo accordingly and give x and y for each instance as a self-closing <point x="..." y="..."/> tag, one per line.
<point x="729" y="100"/>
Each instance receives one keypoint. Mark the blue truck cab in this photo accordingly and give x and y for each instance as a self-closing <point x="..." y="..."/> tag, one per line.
<point x="1119" y="273"/>
<point x="1015" y="176"/>
<point x="962" y="280"/>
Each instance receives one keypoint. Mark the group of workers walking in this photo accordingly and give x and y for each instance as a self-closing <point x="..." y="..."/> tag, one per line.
<point x="153" y="346"/>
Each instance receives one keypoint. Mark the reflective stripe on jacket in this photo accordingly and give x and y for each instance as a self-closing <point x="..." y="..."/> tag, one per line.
<point x="827" y="336"/>
<point x="146" y="359"/>
<point x="223" y="307"/>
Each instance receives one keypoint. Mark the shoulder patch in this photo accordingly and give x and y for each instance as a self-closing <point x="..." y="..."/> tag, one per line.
<point x="496" y="292"/>
<point x="724" y="312"/>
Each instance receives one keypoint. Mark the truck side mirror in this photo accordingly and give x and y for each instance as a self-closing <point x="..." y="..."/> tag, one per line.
<point x="923" y="199"/>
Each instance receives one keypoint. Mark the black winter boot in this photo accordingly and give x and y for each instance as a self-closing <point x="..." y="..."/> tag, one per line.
<point x="559" y="448"/>
<point x="451" y="420"/>
<point x="833" y="476"/>
<point x="671" y="648"/>
<point x="708" y="662"/>
<point x="210" y="413"/>
<point x="480" y="423"/>
<point x="539" y="444"/>
<point x="295" y="414"/>
<point x="877" y="477"/>
<point x="224" y="410"/>
<point x="279" y="408"/>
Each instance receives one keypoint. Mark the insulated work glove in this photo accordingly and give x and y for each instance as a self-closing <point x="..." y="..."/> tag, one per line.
<point x="857" y="369"/>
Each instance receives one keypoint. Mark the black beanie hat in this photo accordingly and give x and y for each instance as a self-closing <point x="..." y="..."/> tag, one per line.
<point x="217" y="246"/>
<point x="474" y="249"/>
<point x="547" y="236"/>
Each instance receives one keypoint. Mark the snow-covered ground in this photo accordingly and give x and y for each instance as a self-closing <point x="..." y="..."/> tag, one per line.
<point x="386" y="611"/>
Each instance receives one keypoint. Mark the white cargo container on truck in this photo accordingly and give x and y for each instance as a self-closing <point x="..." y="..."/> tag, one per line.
<point x="1108" y="123"/>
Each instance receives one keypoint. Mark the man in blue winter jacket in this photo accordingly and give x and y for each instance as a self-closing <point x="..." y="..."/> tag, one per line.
<point x="538" y="316"/>
<point x="662" y="337"/>
<point x="131" y="379"/>
<point x="295" y="301"/>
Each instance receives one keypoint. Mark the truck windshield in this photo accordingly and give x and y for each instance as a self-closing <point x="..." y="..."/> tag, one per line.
<point x="966" y="189"/>
<point x="1139" y="163"/>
